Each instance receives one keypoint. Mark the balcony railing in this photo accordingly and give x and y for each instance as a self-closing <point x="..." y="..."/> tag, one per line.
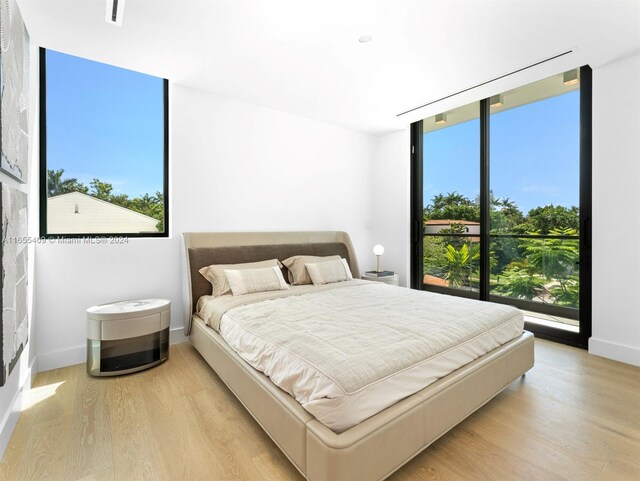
<point x="534" y="272"/>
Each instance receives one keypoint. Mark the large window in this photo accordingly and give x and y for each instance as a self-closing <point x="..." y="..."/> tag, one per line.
<point x="103" y="150"/>
<point x="501" y="201"/>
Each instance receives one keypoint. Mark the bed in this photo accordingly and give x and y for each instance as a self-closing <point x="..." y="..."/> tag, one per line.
<point x="370" y="449"/>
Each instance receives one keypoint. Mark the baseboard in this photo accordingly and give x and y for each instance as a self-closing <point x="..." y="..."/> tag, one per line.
<point x="10" y="419"/>
<point x="78" y="354"/>
<point x="63" y="358"/>
<point x="617" y="352"/>
<point x="176" y="335"/>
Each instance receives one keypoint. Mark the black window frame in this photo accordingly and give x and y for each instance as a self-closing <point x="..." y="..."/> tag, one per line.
<point x="42" y="189"/>
<point x="579" y="339"/>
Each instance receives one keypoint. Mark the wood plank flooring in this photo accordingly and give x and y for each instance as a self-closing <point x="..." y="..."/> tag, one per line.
<point x="573" y="417"/>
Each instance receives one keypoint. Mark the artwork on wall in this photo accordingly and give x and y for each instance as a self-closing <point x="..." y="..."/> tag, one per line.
<point x="14" y="143"/>
<point x="13" y="255"/>
<point x="14" y="94"/>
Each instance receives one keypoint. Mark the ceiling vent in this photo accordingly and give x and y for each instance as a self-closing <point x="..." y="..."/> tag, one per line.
<point x="114" y="12"/>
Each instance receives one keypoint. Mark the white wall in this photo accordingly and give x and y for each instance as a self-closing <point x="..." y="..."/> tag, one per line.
<point x="391" y="203"/>
<point x="616" y="202"/>
<point x="234" y="166"/>
<point x="616" y="211"/>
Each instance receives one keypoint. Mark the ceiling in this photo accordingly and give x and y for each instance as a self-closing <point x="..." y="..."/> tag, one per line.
<point x="303" y="56"/>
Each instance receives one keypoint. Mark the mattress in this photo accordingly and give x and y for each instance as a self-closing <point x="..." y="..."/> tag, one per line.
<point x="347" y="351"/>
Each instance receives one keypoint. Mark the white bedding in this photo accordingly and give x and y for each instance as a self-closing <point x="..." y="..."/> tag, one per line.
<point x="348" y="352"/>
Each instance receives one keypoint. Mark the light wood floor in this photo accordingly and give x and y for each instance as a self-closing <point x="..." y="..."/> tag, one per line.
<point x="573" y="417"/>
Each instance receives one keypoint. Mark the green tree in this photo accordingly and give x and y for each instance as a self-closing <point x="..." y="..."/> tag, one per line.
<point x="56" y="185"/>
<point x="101" y="190"/>
<point x="567" y="293"/>
<point x="452" y="206"/>
<point x="556" y="260"/>
<point x="433" y="258"/>
<point x="460" y="264"/>
<point x="531" y="268"/>
<point x="553" y="258"/>
<point x="545" y="219"/>
<point x="520" y="283"/>
<point x="505" y="215"/>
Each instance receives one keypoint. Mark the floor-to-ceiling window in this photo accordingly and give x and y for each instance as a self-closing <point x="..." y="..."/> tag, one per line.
<point x="502" y="203"/>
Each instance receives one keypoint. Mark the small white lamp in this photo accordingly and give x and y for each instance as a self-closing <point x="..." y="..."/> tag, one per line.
<point x="378" y="250"/>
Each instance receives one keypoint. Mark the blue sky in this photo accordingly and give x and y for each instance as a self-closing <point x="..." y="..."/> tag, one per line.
<point x="535" y="155"/>
<point x="104" y="122"/>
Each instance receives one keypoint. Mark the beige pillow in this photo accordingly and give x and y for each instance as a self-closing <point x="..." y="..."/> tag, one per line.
<point x="247" y="281"/>
<point x="298" y="274"/>
<point x="329" y="272"/>
<point x="215" y="274"/>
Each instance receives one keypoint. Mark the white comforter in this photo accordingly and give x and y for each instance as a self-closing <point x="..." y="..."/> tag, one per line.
<point x="347" y="353"/>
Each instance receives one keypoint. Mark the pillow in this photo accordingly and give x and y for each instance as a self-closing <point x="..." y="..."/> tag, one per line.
<point x="219" y="283"/>
<point x="246" y="281"/>
<point x="298" y="274"/>
<point x="329" y="272"/>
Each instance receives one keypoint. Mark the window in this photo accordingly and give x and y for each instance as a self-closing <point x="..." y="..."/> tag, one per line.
<point x="502" y="203"/>
<point x="451" y="216"/>
<point x="103" y="150"/>
<point x="535" y="199"/>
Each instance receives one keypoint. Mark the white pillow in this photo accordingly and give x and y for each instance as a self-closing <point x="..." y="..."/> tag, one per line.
<point x="329" y="271"/>
<point x="215" y="274"/>
<point x="298" y="274"/>
<point x="247" y="281"/>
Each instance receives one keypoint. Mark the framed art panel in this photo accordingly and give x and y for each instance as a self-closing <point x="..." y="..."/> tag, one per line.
<point x="14" y="93"/>
<point x="13" y="256"/>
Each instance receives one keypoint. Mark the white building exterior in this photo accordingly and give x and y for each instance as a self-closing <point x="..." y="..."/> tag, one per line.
<point x="77" y="213"/>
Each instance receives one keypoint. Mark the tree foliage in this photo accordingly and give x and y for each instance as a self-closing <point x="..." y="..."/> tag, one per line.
<point x="56" y="185"/>
<point x="545" y="219"/>
<point x="452" y="206"/>
<point x="153" y="206"/>
<point x="520" y="284"/>
<point x="460" y="264"/>
<point x="505" y="215"/>
<point x="541" y="269"/>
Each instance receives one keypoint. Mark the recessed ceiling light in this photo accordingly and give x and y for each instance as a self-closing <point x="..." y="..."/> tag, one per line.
<point x="570" y="77"/>
<point x="496" y="101"/>
<point x="365" y="39"/>
<point x="441" y="119"/>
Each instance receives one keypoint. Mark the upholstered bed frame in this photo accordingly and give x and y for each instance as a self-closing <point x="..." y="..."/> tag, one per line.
<point x="381" y="444"/>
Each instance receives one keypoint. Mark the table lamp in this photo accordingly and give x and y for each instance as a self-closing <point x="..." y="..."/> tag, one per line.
<point x="378" y="250"/>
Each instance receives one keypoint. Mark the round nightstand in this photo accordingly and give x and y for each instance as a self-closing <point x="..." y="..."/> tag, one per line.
<point x="393" y="280"/>
<point x="127" y="336"/>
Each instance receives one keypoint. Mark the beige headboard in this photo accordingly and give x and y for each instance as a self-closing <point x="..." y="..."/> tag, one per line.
<point x="206" y="248"/>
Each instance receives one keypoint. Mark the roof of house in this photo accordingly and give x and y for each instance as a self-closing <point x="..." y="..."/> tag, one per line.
<point x="76" y="212"/>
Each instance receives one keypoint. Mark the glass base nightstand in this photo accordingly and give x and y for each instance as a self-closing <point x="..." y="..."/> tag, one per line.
<point x="127" y="336"/>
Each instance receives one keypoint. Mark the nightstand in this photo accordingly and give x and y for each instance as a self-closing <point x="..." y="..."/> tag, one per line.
<point x="127" y="336"/>
<point x="393" y="280"/>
